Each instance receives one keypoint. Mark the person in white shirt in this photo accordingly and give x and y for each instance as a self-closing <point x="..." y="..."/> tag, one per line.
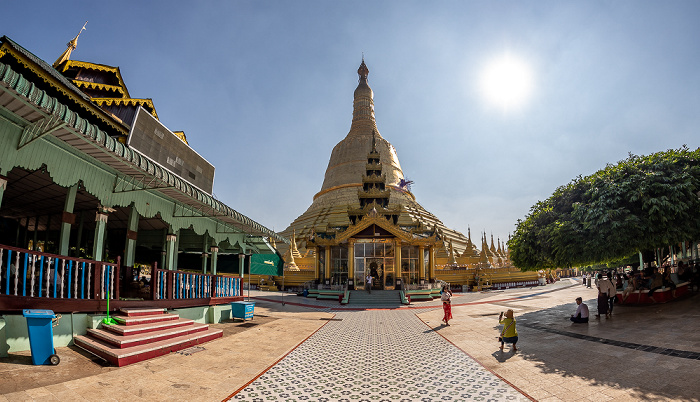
<point x="581" y="312"/>
<point x="369" y="283"/>
<point x="605" y="290"/>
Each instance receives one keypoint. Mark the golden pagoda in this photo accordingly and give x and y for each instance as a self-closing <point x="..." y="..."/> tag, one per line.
<point x="365" y="220"/>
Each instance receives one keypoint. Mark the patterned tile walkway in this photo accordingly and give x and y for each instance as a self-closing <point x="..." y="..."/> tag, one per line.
<point x="377" y="356"/>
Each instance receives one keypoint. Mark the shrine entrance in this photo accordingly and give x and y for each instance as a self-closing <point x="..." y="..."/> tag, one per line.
<point x="376" y="258"/>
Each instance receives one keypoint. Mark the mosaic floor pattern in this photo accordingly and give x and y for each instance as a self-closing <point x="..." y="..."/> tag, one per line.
<point x="377" y="356"/>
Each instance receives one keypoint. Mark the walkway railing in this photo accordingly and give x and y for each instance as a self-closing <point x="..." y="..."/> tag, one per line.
<point x="36" y="274"/>
<point x="182" y="285"/>
<point x="32" y="279"/>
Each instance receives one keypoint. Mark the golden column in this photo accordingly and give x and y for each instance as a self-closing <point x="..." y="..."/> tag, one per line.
<point x="328" y="264"/>
<point x="316" y="262"/>
<point x="397" y="262"/>
<point x="351" y="261"/>
<point x="431" y="263"/>
<point x="421" y="262"/>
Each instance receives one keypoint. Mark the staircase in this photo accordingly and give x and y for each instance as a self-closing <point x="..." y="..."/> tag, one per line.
<point x="142" y="334"/>
<point x="378" y="298"/>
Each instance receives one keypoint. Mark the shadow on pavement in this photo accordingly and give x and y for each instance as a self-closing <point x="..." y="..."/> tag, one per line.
<point x="630" y="351"/>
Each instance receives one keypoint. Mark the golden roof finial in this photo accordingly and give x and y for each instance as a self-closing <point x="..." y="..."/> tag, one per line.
<point x="71" y="46"/>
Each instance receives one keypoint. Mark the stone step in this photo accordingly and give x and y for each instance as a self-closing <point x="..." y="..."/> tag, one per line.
<point x="126" y="330"/>
<point x="122" y="357"/>
<point x="126" y="341"/>
<point x="135" y="312"/>
<point x="376" y="298"/>
<point x="145" y="319"/>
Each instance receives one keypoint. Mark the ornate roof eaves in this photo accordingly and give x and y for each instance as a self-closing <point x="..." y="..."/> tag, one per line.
<point x="97" y="67"/>
<point x="374" y="220"/>
<point x="7" y="48"/>
<point x="99" y="86"/>
<point x="146" y="103"/>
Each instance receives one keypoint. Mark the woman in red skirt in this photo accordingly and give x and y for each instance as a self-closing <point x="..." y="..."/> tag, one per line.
<point x="446" y="298"/>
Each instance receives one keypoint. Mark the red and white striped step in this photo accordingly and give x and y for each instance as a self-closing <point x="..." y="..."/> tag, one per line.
<point x="144" y="334"/>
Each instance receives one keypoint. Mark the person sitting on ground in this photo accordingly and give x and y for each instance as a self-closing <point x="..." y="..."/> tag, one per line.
<point x="581" y="315"/>
<point x="509" y="334"/>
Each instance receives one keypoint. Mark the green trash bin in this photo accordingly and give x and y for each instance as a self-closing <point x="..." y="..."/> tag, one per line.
<point x="40" y="329"/>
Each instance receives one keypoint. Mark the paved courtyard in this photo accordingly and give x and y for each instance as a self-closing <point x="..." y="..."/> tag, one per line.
<point x="380" y="355"/>
<point x="312" y="350"/>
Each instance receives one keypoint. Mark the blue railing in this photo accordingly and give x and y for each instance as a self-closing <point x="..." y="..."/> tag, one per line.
<point x="180" y="285"/>
<point x="36" y="274"/>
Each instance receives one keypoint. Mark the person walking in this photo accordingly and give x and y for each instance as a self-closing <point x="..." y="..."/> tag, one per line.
<point x="368" y="282"/>
<point x="509" y="334"/>
<point x="446" y="297"/>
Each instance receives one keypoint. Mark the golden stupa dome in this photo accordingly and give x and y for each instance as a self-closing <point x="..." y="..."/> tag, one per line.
<point x="348" y="159"/>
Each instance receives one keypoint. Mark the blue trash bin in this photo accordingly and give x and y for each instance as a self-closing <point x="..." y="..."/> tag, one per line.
<point x="40" y="329"/>
<point x="242" y="310"/>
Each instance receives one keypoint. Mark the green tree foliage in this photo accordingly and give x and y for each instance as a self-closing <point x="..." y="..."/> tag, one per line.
<point x="640" y="203"/>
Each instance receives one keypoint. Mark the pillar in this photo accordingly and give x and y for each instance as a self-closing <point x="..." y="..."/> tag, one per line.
<point x="79" y="240"/>
<point x="431" y="263"/>
<point x="421" y="262"/>
<point x="132" y="228"/>
<point x="3" y="187"/>
<point x="25" y="238"/>
<point x="328" y="265"/>
<point x="205" y="252"/>
<point x="241" y="265"/>
<point x="48" y="229"/>
<point x="170" y="250"/>
<point x="176" y="251"/>
<point x="397" y="262"/>
<point x="685" y="251"/>
<point x="164" y="248"/>
<point x="100" y="227"/>
<point x="316" y="272"/>
<point x="351" y="261"/>
<point x="35" y="237"/>
<point x="214" y="257"/>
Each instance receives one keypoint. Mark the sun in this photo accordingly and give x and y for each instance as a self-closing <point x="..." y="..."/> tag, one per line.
<point x="506" y="82"/>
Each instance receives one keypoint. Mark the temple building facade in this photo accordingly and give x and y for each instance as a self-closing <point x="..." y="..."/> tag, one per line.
<point x="366" y="221"/>
<point x="89" y="173"/>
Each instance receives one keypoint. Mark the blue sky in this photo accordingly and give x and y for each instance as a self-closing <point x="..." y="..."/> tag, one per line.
<point x="263" y="89"/>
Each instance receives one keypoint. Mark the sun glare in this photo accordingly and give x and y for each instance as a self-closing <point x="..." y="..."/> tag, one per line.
<point x="506" y="82"/>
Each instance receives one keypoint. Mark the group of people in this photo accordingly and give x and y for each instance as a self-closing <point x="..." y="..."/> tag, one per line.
<point x="509" y="333"/>
<point x="607" y="293"/>
<point x="649" y="279"/>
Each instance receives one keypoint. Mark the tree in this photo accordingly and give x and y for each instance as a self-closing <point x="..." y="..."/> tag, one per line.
<point x="640" y="203"/>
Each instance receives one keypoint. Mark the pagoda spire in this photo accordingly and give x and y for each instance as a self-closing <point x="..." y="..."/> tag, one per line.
<point x="71" y="46"/>
<point x="363" y="122"/>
